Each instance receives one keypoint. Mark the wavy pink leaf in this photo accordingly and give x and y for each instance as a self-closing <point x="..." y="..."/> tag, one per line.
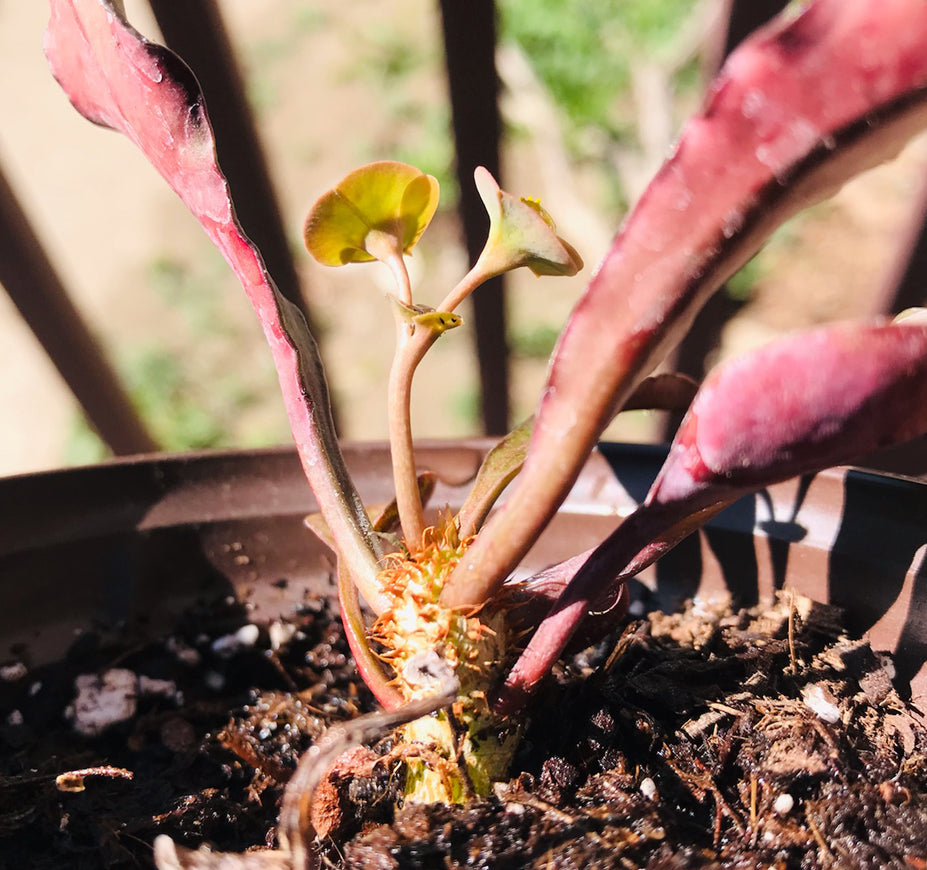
<point x="117" y="78"/>
<point x="799" y="405"/>
<point x="799" y="108"/>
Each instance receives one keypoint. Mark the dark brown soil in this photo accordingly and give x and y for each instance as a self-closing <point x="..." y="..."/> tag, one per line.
<point x="700" y="740"/>
<point x="230" y="700"/>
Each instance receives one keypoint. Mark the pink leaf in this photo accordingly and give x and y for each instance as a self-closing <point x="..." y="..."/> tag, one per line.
<point x="799" y="108"/>
<point x="809" y="400"/>
<point x="801" y="404"/>
<point x="368" y="664"/>
<point x="117" y="78"/>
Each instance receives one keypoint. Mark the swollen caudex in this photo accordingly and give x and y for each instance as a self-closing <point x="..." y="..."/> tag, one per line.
<point x="449" y="756"/>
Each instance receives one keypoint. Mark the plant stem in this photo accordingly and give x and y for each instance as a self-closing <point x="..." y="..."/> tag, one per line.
<point x="410" y="350"/>
<point x="368" y="665"/>
<point x="411" y="347"/>
<point x="476" y="276"/>
<point x="385" y="247"/>
<point x="397" y="266"/>
<point x="315" y="761"/>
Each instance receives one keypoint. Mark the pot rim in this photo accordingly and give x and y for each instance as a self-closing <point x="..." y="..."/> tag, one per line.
<point x="846" y="536"/>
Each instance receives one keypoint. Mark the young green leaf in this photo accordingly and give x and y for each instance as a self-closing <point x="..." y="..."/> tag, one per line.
<point x="376" y="212"/>
<point x="521" y="233"/>
<point x="498" y="469"/>
<point x="385" y="198"/>
<point x="425" y="317"/>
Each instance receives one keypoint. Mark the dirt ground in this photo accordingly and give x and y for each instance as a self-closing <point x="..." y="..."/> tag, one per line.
<point x="315" y="73"/>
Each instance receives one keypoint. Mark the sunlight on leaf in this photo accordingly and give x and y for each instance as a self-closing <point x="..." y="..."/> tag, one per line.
<point x="380" y="209"/>
<point x="521" y="233"/>
<point x="117" y="78"/>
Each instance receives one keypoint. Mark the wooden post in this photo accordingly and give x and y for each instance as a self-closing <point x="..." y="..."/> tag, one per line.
<point x="469" y="30"/>
<point x="39" y="295"/>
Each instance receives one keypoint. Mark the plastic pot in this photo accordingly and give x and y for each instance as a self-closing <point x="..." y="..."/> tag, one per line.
<point x="126" y="546"/>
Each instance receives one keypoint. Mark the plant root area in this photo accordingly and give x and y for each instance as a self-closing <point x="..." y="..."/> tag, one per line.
<point x="761" y="738"/>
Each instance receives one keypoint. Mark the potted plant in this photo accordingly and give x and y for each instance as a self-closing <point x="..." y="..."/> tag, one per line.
<point x="449" y="621"/>
<point x="188" y="531"/>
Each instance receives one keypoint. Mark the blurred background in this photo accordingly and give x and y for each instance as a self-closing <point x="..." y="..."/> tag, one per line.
<point x="592" y="94"/>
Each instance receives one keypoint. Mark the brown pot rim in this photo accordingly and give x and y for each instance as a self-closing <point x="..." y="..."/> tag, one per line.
<point x="844" y="536"/>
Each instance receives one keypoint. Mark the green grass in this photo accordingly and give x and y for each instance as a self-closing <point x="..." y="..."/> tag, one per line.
<point x="386" y="61"/>
<point x="534" y="342"/>
<point x="261" y="59"/>
<point x="171" y="405"/>
<point x="582" y="50"/>
<point x="741" y="284"/>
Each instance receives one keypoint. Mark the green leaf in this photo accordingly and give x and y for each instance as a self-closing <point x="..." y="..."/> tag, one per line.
<point x="521" y="233"/>
<point x="383" y="199"/>
<point x="499" y="468"/>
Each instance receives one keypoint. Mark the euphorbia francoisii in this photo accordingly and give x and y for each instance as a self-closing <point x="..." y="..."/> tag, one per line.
<point x="799" y="108"/>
